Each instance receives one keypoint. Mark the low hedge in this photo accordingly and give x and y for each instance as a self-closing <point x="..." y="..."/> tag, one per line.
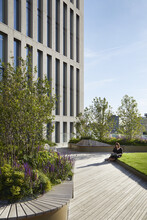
<point x="112" y="141"/>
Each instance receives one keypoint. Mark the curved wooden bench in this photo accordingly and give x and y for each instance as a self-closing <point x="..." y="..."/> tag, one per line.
<point x="53" y="205"/>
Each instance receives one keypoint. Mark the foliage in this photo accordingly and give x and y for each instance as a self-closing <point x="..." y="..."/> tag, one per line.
<point x="136" y="160"/>
<point x="102" y="122"/>
<point x="82" y="124"/>
<point x="25" y="105"/>
<point x="55" y="166"/>
<point x="50" y="143"/>
<point x="74" y="140"/>
<point x="27" y="179"/>
<point x="97" y="121"/>
<point x="124" y="141"/>
<point x="130" y="119"/>
<point x="21" y="181"/>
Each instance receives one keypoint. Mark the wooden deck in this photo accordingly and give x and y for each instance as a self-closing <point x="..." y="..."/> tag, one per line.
<point x="106" y="191"/>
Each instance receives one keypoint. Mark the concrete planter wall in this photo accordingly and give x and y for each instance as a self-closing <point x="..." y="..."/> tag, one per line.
<point x="135" y="148"/>
<point x="134" y="171"/>
<point x="90" y="148"/>
<point x="106" y="148"/>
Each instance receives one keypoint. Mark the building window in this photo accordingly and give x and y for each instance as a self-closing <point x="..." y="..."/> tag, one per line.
<point x="64" y="89"/>
<point x="3" y="51"/>
<point x="57" y="132"/>
<point x="71" y="33"/>
<point x="77" y="38"/>
<point x="17" y="17"/>
<point x="29" y="59"/>
<point x="58" y="25"/>
<point x="29" y="18"/>
<point x="78" y="4"/>
<point x="57" y="86"/>
<point x="64" y="29"/>
<point x="39" y="21"/>
<point x="3" y="11"/>
<point x="49" y="68"/>
<point x="71" y="1"/>
<point x="49" y="132"/>
<point x="17" y="53"/>
<point x="77" y="92"/>
<point x="49" y="23"/>
<point x="71" y="130"/>
<point x="39" y="64"/>
<point x="29" y="52"/>
<point x="71" y="91"/>
<point x="64" y="131"/>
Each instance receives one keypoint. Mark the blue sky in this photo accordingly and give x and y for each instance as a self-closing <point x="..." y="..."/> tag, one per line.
<point x="115" y="51"/>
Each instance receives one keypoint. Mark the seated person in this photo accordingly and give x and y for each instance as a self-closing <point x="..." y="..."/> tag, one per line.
<point x="117" y="152"/>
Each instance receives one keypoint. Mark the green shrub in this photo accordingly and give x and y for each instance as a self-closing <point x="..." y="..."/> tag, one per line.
<point x="124" y="141"/>
<point x="86" y="137"/>
<point x="15" y="185"/>
<point x="11" y="183"/>
<point x="32" y="176"/>
<point x="74" y="140"/>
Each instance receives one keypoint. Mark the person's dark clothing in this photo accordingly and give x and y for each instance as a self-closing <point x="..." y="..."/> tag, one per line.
<point x="116" y="153"/>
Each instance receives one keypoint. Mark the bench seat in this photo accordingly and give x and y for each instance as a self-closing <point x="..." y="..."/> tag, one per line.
<point x="50" y="202"/>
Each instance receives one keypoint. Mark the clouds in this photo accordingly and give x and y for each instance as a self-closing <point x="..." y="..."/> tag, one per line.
<point x="99" y="83"/>
<point x="109" y="53"/>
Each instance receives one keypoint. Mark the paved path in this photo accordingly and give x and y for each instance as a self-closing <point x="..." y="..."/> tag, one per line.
<point x="106" y="191"/>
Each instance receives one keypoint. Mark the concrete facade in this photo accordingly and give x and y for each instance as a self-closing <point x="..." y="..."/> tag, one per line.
<point x="65" y="121"/>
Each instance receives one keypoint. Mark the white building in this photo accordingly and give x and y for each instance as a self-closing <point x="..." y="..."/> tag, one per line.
<point x="53" y="31"/>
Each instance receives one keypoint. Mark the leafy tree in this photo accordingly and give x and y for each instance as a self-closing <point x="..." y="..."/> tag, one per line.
<point x="130" y="119"/>
<point x="25" y="105"/>
<point x="82" y="124"/>
<point x="101" y="118"/>
<point x="96" y="121"/>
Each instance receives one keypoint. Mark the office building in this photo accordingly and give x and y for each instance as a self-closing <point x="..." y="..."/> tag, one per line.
<point x="52" y="31"/>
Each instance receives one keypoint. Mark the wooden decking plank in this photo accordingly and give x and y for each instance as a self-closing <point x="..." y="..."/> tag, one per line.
<point x="105" y="205"/>
<point x="48" y="204"/>
<point x="115" y="207"/>
<point x="56" y="196"/>
<point x="55" y="204"/>
<point x="33" y="208"/>
<point x="44" y="206"/>
<point x="2" y="209"/>
<point x="145" y="216"/>
<point x="38" y="206"/>
<point x="53" y="201"/>
<point x="97" y="192"/>
<point x="5" y="213"/>
<point x="12" y="213"/>
<point x="135" y="206"/>
<point x="93" y="184"/>
<point x="57" y="199"/>
<point x="27" y="210"/>
<point x="142" y="212"/>
<point x="62" y="196"/>
<point x="20" y="211"/>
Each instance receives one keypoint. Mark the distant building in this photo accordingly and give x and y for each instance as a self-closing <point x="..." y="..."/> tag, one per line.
<point x="115" y="120"/>
<point x="144" y="123"/>
<point x="53" y="32"/>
